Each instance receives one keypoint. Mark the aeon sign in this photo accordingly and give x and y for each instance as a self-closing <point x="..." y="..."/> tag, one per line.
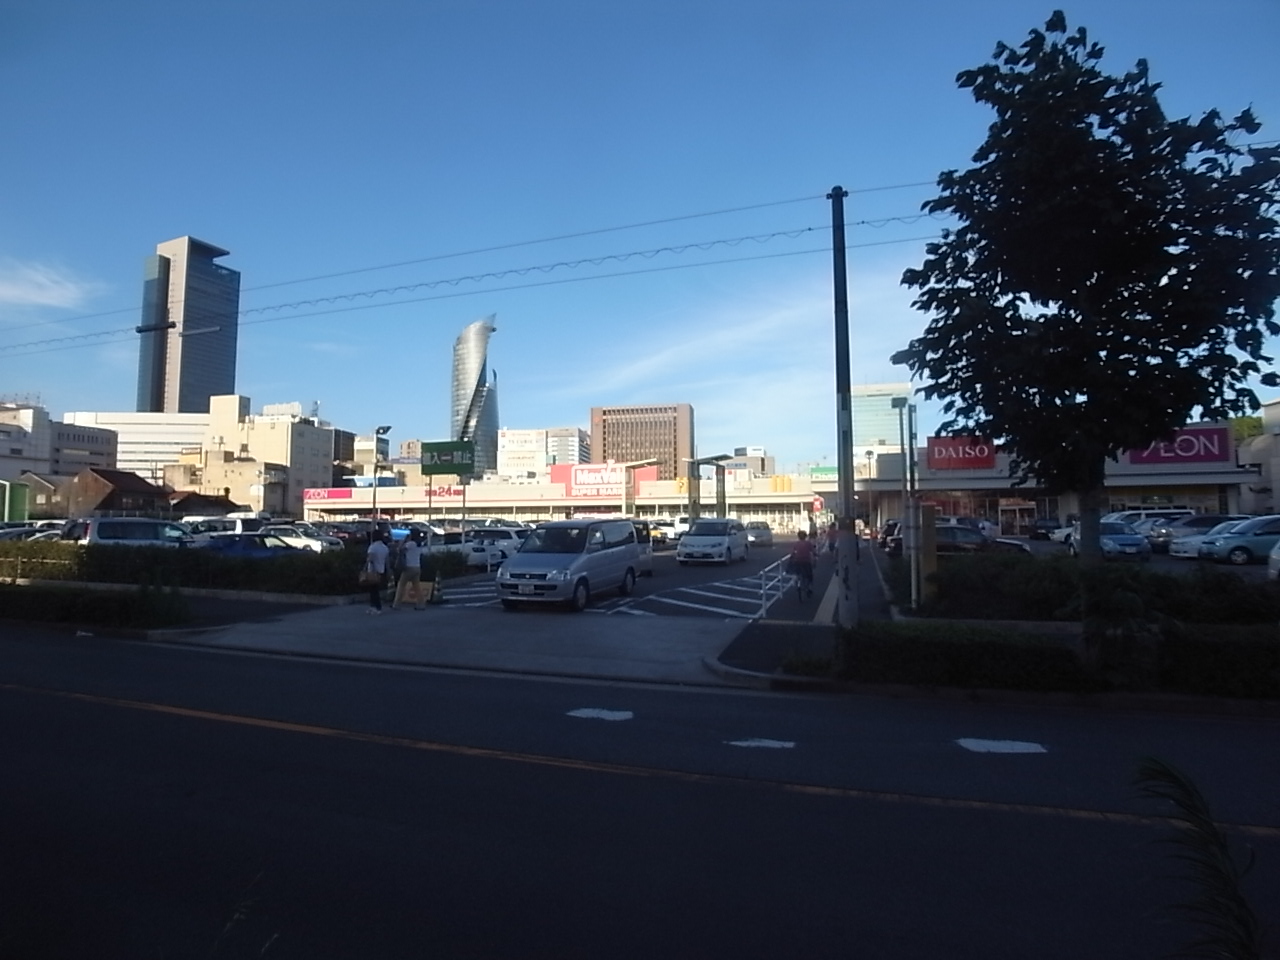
<point x="1189" y="445"/>
<point x="961" y="453"/>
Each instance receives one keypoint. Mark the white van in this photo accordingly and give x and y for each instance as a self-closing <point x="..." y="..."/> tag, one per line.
<point x="127" y="531"/>
<point x="567" y="561"/>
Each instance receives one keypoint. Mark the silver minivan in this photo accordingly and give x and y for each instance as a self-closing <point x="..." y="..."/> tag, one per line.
<point x="567" y="561"/>
<point x="129" y="531"/>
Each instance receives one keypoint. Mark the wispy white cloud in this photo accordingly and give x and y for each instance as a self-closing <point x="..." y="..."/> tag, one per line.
<point x="26" y="283"/>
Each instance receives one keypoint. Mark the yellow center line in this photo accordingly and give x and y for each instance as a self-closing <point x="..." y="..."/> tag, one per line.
<point x="593" y="766"/>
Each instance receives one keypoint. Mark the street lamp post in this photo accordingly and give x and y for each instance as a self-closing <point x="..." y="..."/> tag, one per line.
<point x="373" y="519"/>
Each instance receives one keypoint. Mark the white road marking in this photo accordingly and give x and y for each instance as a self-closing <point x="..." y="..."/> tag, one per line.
<point x="716" y="596"/>
<point x="594" y="713"/>
<point x="702" y="606"/>
<point x="1001" y="746"/>
<point x="757" y="742"/>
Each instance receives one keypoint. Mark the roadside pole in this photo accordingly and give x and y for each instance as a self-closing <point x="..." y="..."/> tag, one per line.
<point x="847" y="547"/>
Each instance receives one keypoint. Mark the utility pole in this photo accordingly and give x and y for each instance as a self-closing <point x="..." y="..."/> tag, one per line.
<point x="844" y="389"/>
<point x="847" y="546"/>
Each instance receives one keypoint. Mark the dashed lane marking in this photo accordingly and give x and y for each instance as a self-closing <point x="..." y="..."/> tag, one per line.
<point x="846" y="793"/>
<point x="1000" y="746"/>
<point x="758" y="742"/>
<point x="596" y="713"/>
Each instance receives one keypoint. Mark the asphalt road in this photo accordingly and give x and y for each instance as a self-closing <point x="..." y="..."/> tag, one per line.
<point x="154" y="794"/>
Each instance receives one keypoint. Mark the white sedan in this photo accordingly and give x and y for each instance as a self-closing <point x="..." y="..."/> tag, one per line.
<point x="1062" y="534"/>
<point x="303" y="541"/>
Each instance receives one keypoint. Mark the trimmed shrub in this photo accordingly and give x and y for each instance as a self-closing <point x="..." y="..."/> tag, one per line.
<point x="1221" y="661"/>
<point x="147" y="607"/>
<point x="952" y="655"/>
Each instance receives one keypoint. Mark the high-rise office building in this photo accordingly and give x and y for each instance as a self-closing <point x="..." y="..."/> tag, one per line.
<point x="662" y="432"/>
<point x="568" y="445"/>
<point x="875" y="420"/>
<point x="190" y="324"/>
<point x="474" y="408"/>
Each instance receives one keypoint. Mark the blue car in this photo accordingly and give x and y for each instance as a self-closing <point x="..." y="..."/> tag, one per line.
<point x="251" y="545"/>
<point x="1248" y="542"/>
<point x="1119" y="541"/>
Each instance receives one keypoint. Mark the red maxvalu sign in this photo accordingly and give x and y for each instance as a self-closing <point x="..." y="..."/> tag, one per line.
<point x="961" y="453"/>
<point x="588" y="480"/>
<point x="327" y="493"/>
<point x="1189" y="445"/>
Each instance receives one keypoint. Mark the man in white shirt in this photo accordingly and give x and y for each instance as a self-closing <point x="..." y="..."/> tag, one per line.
<point x="376" y="562"/>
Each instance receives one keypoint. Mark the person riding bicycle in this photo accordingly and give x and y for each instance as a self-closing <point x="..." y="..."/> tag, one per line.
<point x="801" y="560"/>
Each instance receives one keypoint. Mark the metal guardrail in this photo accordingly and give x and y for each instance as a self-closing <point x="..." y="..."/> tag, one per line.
<point x="11" y="567"/>
<point x="774" y="581"/>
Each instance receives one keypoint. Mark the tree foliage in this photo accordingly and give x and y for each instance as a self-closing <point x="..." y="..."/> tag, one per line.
<point x="1114" y="273"/>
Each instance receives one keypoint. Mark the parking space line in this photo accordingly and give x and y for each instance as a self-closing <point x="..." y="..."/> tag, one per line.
<point x="703" y="606"/>
<point x="716" y="596"/>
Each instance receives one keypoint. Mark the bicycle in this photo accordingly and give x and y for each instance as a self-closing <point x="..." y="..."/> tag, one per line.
<point x="803" y="574"/>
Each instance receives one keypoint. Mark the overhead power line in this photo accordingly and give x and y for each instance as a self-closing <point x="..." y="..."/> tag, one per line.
<point x="84" y="340"/>
<point x="498" y="247"/>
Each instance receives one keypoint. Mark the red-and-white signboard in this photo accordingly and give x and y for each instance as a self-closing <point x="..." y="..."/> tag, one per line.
<point x="818" y="504"/>
<point x="596" y="480"/>
<point x="961" y="453"/>
<point x="1189" y="445"/>
<point x="327" y="493"/>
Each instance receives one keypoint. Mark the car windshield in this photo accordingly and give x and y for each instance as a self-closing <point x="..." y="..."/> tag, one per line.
<point x="555" y="540"/>
<point x="709" y="528"/>
<point x="1112" y="528"/>
<point x="1225" y="527"/>
<point x="757" y="525"/>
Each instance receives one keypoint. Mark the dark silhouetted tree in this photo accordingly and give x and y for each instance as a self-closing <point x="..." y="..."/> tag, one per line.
<point x="1113" y="275"/>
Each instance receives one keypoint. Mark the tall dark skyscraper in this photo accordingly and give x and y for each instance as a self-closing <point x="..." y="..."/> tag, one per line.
<point x="190" y="325"/>
<point x="474" y="409"/>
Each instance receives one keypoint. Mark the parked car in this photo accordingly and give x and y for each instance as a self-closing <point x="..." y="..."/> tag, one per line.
<point x="1250" y="541"/>
<point x="660" y="533"/>
<point x="567" y="561"/>
<point x="506" y="540"/>
<point x="18" y="533"/>
<point x="1063" y="534"/>
<point x="954" y="538"/>
<point x="759" y="534"/>
<point x="296" y="537"/>
<point x="1155" y="513"/>
<point x="1163" y="531"/>
<point x="1273" y="562"/>
<point x="1119" y="541"/>
<point x="258" y="545"/>
<point x="713" y="540"/>
<point x="1188" y="548"/>
<point x="127" y="531"/>
<point x="1041" y="528"/>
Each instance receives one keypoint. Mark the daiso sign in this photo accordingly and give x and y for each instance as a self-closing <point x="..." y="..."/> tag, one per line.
<point x="961" y="453"/>
<point x="1189" y="445"/>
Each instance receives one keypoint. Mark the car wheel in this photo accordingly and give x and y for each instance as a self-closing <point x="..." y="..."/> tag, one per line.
<point x="1239" y="556"/>
<point x="628" y="583"/>
<point x="509" y="604"/>
<point x="581" y="597"/>
<point x="684" y="563"/>
<point x="728" y="556"/>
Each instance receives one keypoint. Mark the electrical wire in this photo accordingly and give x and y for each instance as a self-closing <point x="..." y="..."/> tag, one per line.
<point x="498" y="247"/>
<point x="65" y="345"/>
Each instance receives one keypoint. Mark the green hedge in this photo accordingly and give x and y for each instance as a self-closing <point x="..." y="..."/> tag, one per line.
<point x="951" y="655"/>
<point x="1018" y="587"/>
<point x="1221" y="661"/>
<point x="145" y="608"/>
<point x="306" y="572"/>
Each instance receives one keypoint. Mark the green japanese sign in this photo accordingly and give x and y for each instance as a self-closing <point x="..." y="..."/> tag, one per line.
<point x="457" y="457"/>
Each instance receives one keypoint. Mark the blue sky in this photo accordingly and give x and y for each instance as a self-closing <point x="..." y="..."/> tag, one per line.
<point x="316" y="139"/>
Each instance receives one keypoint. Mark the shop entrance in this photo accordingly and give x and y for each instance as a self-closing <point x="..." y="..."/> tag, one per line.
<point x="1016" y="517"/>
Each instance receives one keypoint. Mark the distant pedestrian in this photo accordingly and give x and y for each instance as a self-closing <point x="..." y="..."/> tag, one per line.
<point x="410" y="572"/>
<point x="833" y="536"/>
<point x="375" y="570"/>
